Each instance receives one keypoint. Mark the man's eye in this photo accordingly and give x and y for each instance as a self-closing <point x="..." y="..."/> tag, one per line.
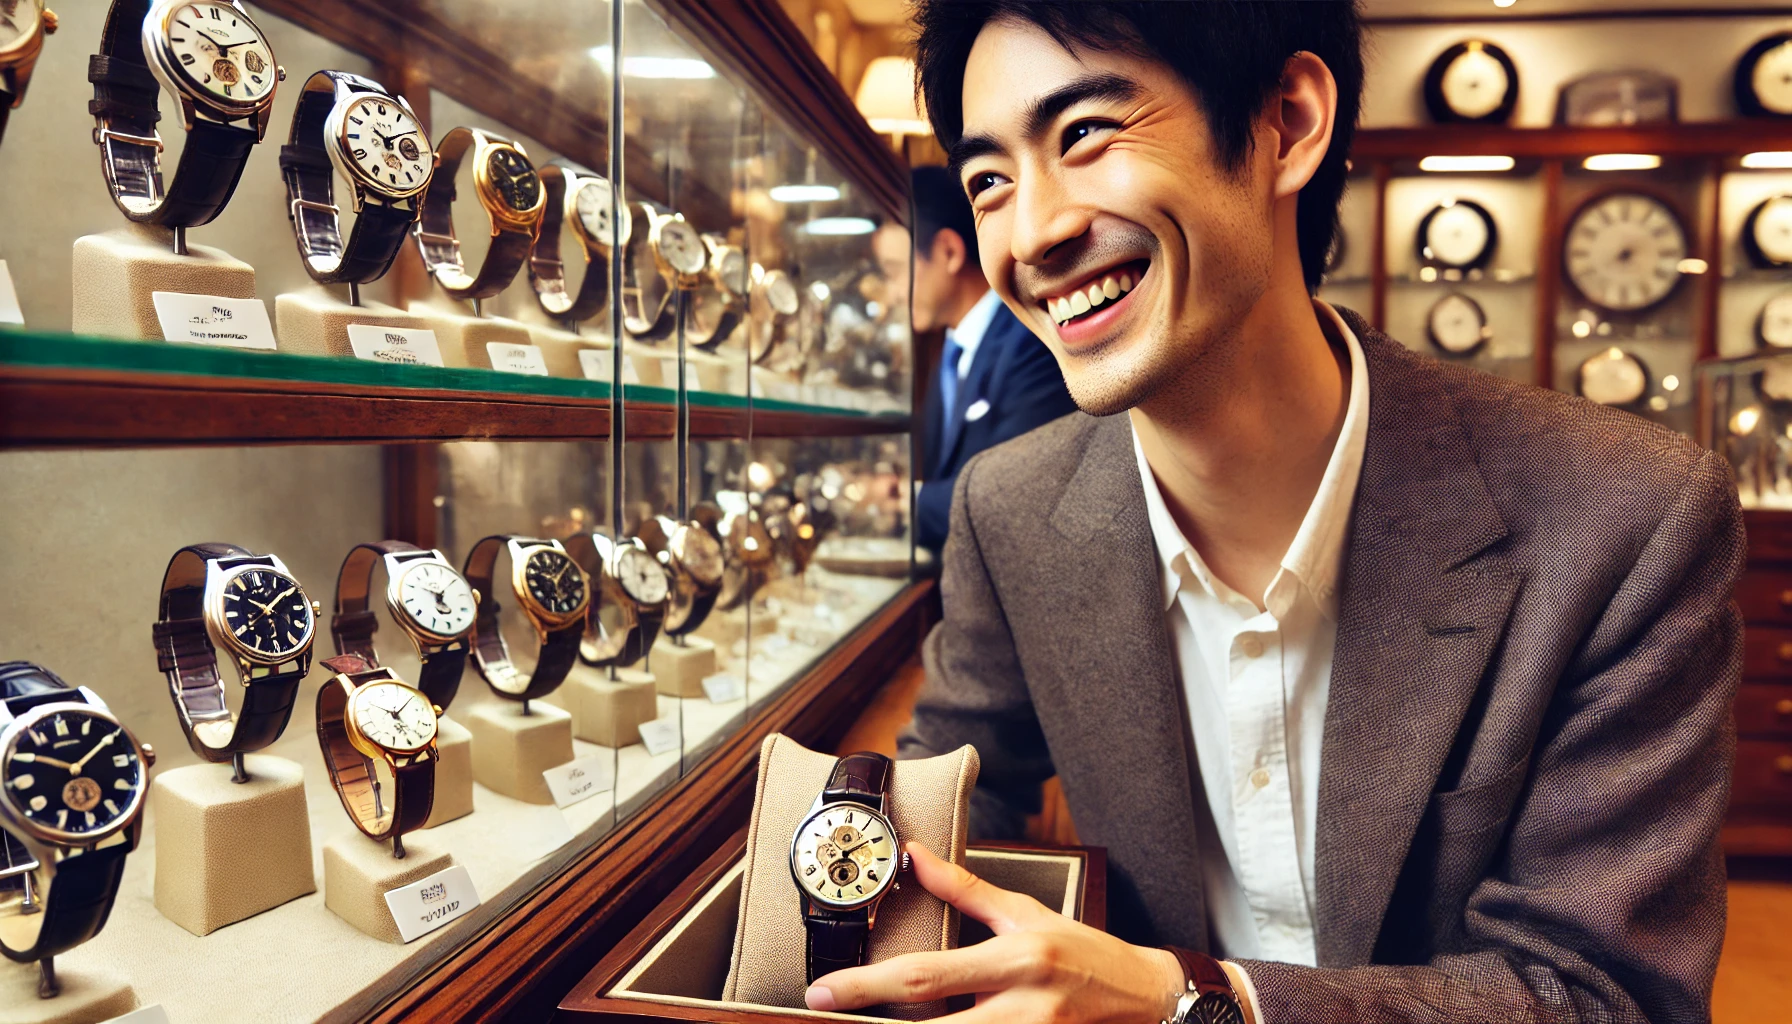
<point x="1082" y="130"/>
<point x="979" y="182"/>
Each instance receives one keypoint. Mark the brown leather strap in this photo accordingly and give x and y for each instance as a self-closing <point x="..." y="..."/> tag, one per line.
<point x="647" y="308"/>
<point x="353" y="624"/>
<point x="610" y="619"/>
<point x="1215" y="1002"/>
<point x="547" y="273"/>
<point x="435" y="230"/>
<point x="491" y="655"/>
<point x="377" y="813"/>
<point x="863" y="777"/>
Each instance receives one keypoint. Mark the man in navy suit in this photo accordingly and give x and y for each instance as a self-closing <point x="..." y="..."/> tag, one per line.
<point x="996" y="380"/>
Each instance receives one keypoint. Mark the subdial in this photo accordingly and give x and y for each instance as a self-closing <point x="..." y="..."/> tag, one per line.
<point x="846" y="837"/>
<point x="843" y="872"/>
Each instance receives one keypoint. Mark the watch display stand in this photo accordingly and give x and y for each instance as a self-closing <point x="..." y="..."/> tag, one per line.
<point x="117" y="273"/>
<point x="358" y="872"/>
<point x="87" y="996"/>
<point x="226" y="851"/>
<point x="314" y="322"/>
<point x="607" y="711"/>
<point x="462" y="337"/>
<point x="929" y="803"/>
<point x="511" y="749"/>
<point x="775" y="385"/>
<point x="454" y="773"/>
<point x="560" y="347"/>
<point x="679" y="669"/>
<point x="726" y="627"/>
<point x="654" y="367"/>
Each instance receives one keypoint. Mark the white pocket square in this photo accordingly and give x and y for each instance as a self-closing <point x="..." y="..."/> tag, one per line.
<point x="976" y="410"/>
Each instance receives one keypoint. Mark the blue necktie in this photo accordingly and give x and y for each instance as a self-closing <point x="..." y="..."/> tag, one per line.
<point x="949" y="384"/>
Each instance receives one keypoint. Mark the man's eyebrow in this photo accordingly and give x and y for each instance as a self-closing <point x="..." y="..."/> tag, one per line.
<point x="1042" y="112"/>
<point x="969" y="148"/>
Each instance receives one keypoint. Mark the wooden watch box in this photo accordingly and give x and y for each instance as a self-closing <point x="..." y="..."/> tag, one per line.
<point x="673" y="964"/>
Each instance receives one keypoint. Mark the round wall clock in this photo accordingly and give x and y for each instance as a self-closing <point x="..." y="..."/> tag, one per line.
<point x="1613" y="377"/>
<point x="1776" y="382"/>
<point x="1457" y="233"/>
<point x="1457" y="324"/>
<point x="1473" y="81"/>
<point x="1764" y="78"/>
<point x="1773" y="328"/>
<point x="1623" y="251"/>
<point x="1767" y="233"/>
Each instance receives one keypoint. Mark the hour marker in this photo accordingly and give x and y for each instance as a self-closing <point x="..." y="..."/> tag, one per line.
<point x="356" y="119"/>
<point x="86" y="726"/>
<point x="838" y="893"/>
<point x="38" y="803"/>
<point x="871" y="874"/>
<point x="89" y="816"/>
<point x="227" y="90"/>
<point x="23" y="781"/>
<point x="124" y="784"/>
<point x="62" y="818"/>
<point x="121" y="761"/>
<point x="112" y="808"/>
<point x="216" y="16"/>
<point x="858" y="889"/>
<point x="186" y="58"/>
<point x="24" y="758"/>
<point x="61" y="727"/>
<point x="208" y="80"/>
<point x="240" y="630"/>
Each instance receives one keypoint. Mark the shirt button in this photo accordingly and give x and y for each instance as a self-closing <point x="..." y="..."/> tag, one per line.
<point x="1251" y="646"/>
<point x="1260" y="778"/>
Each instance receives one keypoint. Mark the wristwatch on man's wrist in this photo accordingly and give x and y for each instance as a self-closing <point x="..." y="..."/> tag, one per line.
<point x="582" y="201"/>
<point x="210" y="56"/>
<point x="844" y="859"/>
<point x="368" y="719"/>
<point x="664" y="256"/>
<point x="353" y="125"/>
<point x="513" y="198"/>
<point x="553" y="593"/>
<point x="21" y="42"/>
<point x="1207" y="995"/>
<point x="429" y="600"/>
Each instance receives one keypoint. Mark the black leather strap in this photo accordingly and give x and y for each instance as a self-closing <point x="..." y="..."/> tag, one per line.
<point x="77" y="903"/>
<point x="691" y="605"/>
<point x="435" y="230"/>
<point x="648" y="311"/>
<point x="5" y="112"/>
<point x="863" y="777"/>
<point x="491" y="655"/>
<point x="547" y="272"/>
<point x="353" y="624"/>
<point x="24" y="685"/>
<point x="382" y="224"/>
<point x="836" y="940"/>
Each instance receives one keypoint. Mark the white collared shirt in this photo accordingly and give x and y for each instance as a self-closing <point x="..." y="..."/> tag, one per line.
<point x="968" y="333"/>
<point x="1256" y="684"/>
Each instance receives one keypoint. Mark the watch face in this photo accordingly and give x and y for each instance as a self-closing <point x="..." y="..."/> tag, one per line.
<point x="1769" y="81"/>
<point x="1775" y="328"/>
<point x="699" y="553"/>
<point x="1474" y="82"/>
<point x="18" y="19"/>
<point x="221" y="51"/>
<point x="554" y="581"/>
<point x="844" y="855"/>
<point x="437" y="599"/>
<point x="1457" y="233"/>
<point x="266" y="613"/>
<point x="73" y="771"/>
<point x="1624" y="251"/>
<point x="731" y="268"/>
<point x="1457" y="325"/>
<point x="780" y="293"/>
<point x="1215" y="1008"/>
<point x="1613" y="377"/>
<point x="641" y="576"/>
<point x="1770" y="232"/>
<point x="386" y="145"/>
<point x="682" y="247"/>
<point x="593" y="205"/>
<point x="513" y="177"/>
<point x="394" y="715"/>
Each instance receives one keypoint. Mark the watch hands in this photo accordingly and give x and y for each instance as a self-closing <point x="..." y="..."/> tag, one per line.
<point x="52" y="762"/>
<point x="75" y="769"/>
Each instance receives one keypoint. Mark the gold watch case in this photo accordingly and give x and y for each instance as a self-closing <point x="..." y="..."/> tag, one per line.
<point x="659" y="225"/>
<point x="542" y="617"/>
<point x="216" y="582"/>
<point x="696" y="555"/>
<point x="502" y="215"/>
<point x="368" y="746"/>
<point x="21" y="57"/>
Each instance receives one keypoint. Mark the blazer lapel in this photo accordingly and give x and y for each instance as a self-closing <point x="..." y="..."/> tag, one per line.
<point x="1423" y="605"/>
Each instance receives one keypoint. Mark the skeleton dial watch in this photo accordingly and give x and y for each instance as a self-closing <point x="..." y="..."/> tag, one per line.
<point x="844" y="859"/>
<point x="510" y="191"/>
<point x="718" y="309"/>
<point x="23" y="26"/>
<point x="72" y="785"/>
<point x="374" y="728"/>
<point x="349" y="125"/>
<point x="631" y="606"/>
<point x="665" y="255"/>
<point x="210" y="56"/>
<point x="582" y="201"/>
<point x="428" y="599"/>
<point x="553" y="592"/>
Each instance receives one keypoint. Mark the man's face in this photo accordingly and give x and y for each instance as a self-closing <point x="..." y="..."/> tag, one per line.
<point x="890" y="247"/>
<point x="1093" y="171"/>
<point x="935" y="286"/>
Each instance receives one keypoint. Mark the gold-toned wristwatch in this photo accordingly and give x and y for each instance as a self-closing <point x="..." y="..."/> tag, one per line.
<point x="553" y="593"/>
<point x="23" y="26"/>
<point x="774" y="302"/>
<point x="512" y="195"/>
<point x="581" y="200"/>
<point x="664" y="255"/>
<point x="718" y="307"/>
<point x="747" y="557"/>
<point x="694" y="557"/>
<point x="372" y="725"/>
<point x="633" y="596"/>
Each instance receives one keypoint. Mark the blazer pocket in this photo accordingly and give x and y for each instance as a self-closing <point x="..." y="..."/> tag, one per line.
<point x="1477" y="808"/>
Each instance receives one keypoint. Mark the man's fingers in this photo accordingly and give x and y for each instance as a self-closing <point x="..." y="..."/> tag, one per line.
<point x="1001" y="910"/>
<point x="919" y="977"/>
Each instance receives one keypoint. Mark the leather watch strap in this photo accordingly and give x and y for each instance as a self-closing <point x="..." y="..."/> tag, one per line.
<point x="547" y="272"/>
<point x="80" y="896"/>
<point x="863" y="777"/>
<point x="24" y="685"/>
<point x="5" y="112"/>
<point x="1208" y="997"/>
<point x="510" y="246"/>
<point x="601" y="644"/>
<point x="648" y="311"/>
<point x="691" y="605"/>
<point x="354" y="623"/>
<point x="491" y="655"/>
<point x="377" y="813"/>
<point x="835" y="940"/>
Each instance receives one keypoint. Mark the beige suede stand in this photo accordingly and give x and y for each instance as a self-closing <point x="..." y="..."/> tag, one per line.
<point x="929" y="804"/>
<point x="717" y="373"/>
<point x="679" y="669"/>
<point x="560" y="349"/>
<point x="358" y="872"/>
<point x="87" y="997"/>
<point x="606" y="711"/>
<point x="725" y="627"/>
<point x="315" y="322"/>
<point x="454" y="773"/>
<point x="117" y="273"/>
<point x="511" y="749"/>
<point x="654" y="367"/>
<point x="463" y="338"/>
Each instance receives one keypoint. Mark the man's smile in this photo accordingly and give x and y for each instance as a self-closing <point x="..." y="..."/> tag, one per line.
<point x="1094" y="291"/>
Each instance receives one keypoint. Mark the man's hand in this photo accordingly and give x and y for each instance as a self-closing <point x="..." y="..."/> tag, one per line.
<point x="1041" y="966"/>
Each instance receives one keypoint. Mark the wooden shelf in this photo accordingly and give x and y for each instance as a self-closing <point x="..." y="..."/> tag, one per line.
<point x="1692" y="139"/>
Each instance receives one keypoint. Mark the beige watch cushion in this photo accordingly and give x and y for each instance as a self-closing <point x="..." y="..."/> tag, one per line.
<point x="929" y="804"/>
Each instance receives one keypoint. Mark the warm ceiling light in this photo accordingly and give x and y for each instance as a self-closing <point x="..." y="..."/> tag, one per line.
<point x="1692" y="265"/>
<point x="840" y="226"/>
<point x="653" y="67"/>
<point x="805" y="193"/>
<point x="1622" y="162"/>
<point x="1447" y="164"/>
<point x="1504" y="3"/>
<point x="1772" y="160"/>
<point x="886" y="97"/>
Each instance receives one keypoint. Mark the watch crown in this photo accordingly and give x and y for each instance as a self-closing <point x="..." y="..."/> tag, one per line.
<point x="149" y="755"/>
<point x="279" y="73"/>
<point x="437" y="708"/>
<point x="51" y="22"/>
<point x="317" y="608"/>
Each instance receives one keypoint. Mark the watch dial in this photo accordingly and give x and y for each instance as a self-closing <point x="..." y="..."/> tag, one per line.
<point x="74" y="771"/>
<point x="386" y="144"/>
<point x="641" y="576"/>
<point x="732" y="269"/>
<point x="594" y="212"/>
<point x="682" y="247"/>
<point x="1624" y="251"/>
<point x="267" y="612"/>
<point x="1456" y="233"/>
<point x="514" y="178"/>
<point x="780" y="293"/>
<point x="1770" y="229"/>
<point x="1776" y="321"/>
<point x="844" y="855"/>
<point x="1215" y="1008"/>
<point x="1475" y="83"/>
<point x="699" y="553"/>
<point x="555" y="581"/>
<point x="222" y="51"/>
<point x="395" y="716"/>
<point x="1613" y="377"/>
<point x="1771" y="79"/>
<point x="17" y="20"/>
<point x="1456" y="324"/>
<point x="437" y="598"/>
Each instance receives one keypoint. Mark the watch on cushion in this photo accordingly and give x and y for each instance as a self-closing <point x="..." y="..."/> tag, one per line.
<point x="513" y="198"/>
<point x="210" y="56"/>
<point x="844" y="858"/>
<point x="429" y="600"/>
<point x="368" y="719"/>
<point x="553" y="593"/>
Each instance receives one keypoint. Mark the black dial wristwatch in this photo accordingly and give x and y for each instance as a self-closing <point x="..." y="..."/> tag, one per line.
<point x="1207" y="996"/>
<point x="431" y="602"/>
<point x="210" y="56"/>
<point x="508" y="189"/>
<point x="581" y="201"/>
<point x="349" y="124"/>
<point x="844" y="859"/>
<point x="553" y="593"/>
<point x="72" y="785"/>
<point x="221" y="596"/>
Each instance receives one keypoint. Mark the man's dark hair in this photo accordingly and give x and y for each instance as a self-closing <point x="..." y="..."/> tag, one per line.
<point x="1230" y="52"/>
<point x="940" y="202"/>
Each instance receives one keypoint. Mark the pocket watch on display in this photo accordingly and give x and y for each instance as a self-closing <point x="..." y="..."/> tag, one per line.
<point x="1607" y="98"/>
<point x="553" y="593"/>
<point x="719" y="308"/>
<point x="210" y="56"/>
<point x="1613" y="377"/>
<point x="1763" y="80"/>
<point x="1767" y="233"/>
<point x="1458" y="233"/>
<point x="427" y="598"/>
<point x="372" y="725"/>
<point x="581" y="200"/>
<point x="513" y="198"/>
<point x="1472" y="81"/>
<point x="1457" y="324"/>
<point x="664" y="256"/>
<point x="1773" y="328"/>
<point x="774" y="302"/>
<point x="72" y="785"/>
<point x="23" y="26"/>
<point x="844" y="859"/>
<point x="1623" y="251"/>
<point x="349" y="125"/>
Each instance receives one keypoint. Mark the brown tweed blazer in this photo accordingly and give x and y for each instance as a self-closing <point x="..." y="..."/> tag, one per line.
<point x="1528" y="743"/>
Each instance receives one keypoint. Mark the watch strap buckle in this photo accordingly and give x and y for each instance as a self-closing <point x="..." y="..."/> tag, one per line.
<point x="294" y="206"/>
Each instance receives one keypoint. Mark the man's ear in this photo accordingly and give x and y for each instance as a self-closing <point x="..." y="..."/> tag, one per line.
<point x="949" y="251"/>
<point x="1301" y="117"/>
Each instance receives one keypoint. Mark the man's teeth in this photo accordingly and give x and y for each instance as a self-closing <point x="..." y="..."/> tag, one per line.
<point x="1082" y="301"/>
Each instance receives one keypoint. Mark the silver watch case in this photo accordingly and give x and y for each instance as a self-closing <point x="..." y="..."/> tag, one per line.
<point x="822" y="803"/>
<point x="193" y="100"/>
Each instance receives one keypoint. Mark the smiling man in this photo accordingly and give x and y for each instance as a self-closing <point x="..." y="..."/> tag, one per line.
<point x="1395" y="691"/>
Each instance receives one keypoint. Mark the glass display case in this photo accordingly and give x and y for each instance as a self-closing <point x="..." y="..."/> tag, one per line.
<point x="658" y="433"/>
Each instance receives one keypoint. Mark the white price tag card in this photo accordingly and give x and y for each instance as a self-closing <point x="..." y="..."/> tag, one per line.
<point x="595" y="363"/>
<point x="422" y="907"/>
<point x="517" y="358"/>
<point x="214" y="320"/>
<point x="143" y="1015"/>
<point x="660" y="735"/>
<point x="10" y="313"/>
<point x="395" y="344"/>
<point x="581" y="778"/>
<point x="721" y="689"/>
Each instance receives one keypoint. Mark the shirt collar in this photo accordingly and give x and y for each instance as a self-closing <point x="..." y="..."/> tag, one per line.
<point x="968" y="333"/>
<point x="1316" y="557"/>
